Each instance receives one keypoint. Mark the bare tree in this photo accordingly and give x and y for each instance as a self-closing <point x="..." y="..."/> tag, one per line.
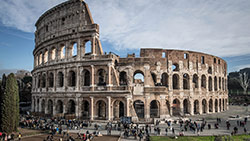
<point x="244" y="81"/>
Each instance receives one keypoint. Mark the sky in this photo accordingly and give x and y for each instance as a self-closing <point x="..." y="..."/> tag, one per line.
<point x="220" y="28"/>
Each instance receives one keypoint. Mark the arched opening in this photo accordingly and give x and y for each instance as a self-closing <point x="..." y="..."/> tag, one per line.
<point x="43" y="106"/>
<point x="196" y="107"/>
<point x="215" y="83"/>
<point x="220" y="83"/>
<point x="175" y="67"/>
<point x="138" y="77"/>
<point x="74" y="49"/>
<point x="51" y="80"/>
<point x="50" y="107"/>
<point x="46" y="56"/>
<point x="204" y="106"/>
<point x="210" y="86"/>
<point x="53" y="53"/>
<point x="118" y="109"/>
<point x="59" y="107"/>
<point x="164" y="79"/>
<point x="60" y="79"/>
<point x="203" y="81"/>
<point x="40" y="58"/>
<point x="101" y="77"/>
<point x="85" y="109"/>
<point x="176" y="81"/>
<point x="72" y="79"/>
<point x="168" y="107"/>
<point x="216" y="105"/>
<point x="88" y="48"/>
<point x="186" y="81"/>
<point x="139" y="108"/>
<point x="37" y="107"/>
<point x="186" y="106"/>
<point x="176" y="108"/>
<point x="219" y="105"/>
<point x="210" y="105"/>
<point x="71" y="107"/>
<point x="62" y="51"/>
<point x="86" y="78"/>
<point x="195" y="81"/>
<point x="43" y="80"/>
<point x="123" y="78"/>
<point x="101" y="109"/>
<point x="209" y="70"/>
<point x="154" y="109"/>
<point x="154" y="78"/>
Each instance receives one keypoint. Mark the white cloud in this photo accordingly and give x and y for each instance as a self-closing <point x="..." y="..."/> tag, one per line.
<point x="216" y="27"/>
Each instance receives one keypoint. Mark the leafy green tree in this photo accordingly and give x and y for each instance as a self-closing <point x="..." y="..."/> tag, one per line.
<point x="9" y="105"/>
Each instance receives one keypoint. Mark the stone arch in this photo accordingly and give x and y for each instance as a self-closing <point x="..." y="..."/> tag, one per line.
<point x="72" y="79"/>
<point x="168" y="107"/>
<point x="37" y="107"/>
<point x="176" y="107"/>
<point x="43" y="81"/>
<point x="216" y="105"/>
<point x="175" y="67"/>
<point x="139" y="108"/>
<point x="186" y="84"/>
<point x="215" y="84"/>
<point x="85" y="109"/>
<point x="176" y="82"/>
<point x="210" y="86"/>
<point x="59" y="107"/>
<point x="123" y="78"/>
<point x="196" y="107"/>
<point x="219" y="105"/>
<point x="71" y="107"/>
<point x="195" y="81"/>
<point x="164" y="79"/>
<point x="43" y="106"/>
<point x="186" y="109"/>
<point x="203" y="81"/>
<point x="138" y="76"/>
<point x="118" y="109"/>
<point x="51" y="79"/>
<point x="154" y="109"/>
<point x="101" y="109"/>
<point x="101" y="77"/>
<point x="60" y="79"/>
<point x="204" y="106"/>
<point x="210" y="105"/>
<point x="153" y="75"/>
<point x="50" y="107"/>
<point x="86" y="77"/>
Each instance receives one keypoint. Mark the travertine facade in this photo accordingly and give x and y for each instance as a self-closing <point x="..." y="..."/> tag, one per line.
<point x="72" y="75"/>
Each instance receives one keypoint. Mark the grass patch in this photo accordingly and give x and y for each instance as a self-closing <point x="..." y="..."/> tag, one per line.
<point x="201" y="138"/>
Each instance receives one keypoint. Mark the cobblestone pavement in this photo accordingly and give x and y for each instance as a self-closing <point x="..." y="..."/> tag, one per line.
<point x="210" y="118"/>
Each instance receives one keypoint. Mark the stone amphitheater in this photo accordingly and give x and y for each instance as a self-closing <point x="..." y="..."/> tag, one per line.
<point x="73" y="76"/>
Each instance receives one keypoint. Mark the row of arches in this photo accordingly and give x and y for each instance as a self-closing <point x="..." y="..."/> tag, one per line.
<point x="100" y="108"/>
<point x="49" y="81"/>
<point x="61" y="52"/>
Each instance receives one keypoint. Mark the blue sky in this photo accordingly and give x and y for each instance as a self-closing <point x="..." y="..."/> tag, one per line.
<point x="217" y="27"/>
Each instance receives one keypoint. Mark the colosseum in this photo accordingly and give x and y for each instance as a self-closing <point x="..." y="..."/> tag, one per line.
<point x="73" y="75"/>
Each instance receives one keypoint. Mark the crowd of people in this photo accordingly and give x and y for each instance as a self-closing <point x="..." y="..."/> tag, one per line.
<point x="61" y="126"/>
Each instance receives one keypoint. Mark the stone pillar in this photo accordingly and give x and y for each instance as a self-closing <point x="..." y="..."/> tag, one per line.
<point x="33" y="104"/>
<point x="65" y="84"/>
<point x="170" y="82"/>
<point x="199" y="83"/>
<point x="67" y="51"/>
<point x="79" y="54"/>
<point x="109" y="108"/>
<point x="46" y="106"/>
<point x="207" y="83"/>
<point x="54" y="108"/>
<point x="93" y="45"/>
<point x="55" y="79"/>
<point x="147" y="107"/>
<point x="191" y="87"/>
<point x="162" y="107"/>
<point x="109" y="84"/>
<point x="127" y="107"/>
<point x="213" y="88"/>
<point x="64" y="108"/>
<point x="77" y="107"/>
<point x="78" y="78"/>
<point x="92" y="82"/>
<point x="191" y="107"/>
<point x="207" y="108"/>
<point x="91" y="108"/>
<point x="200" y="107"/>
<point x="180" y="81"/>
<point x="147" y="75"/>
<point x="181" y="108"/>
